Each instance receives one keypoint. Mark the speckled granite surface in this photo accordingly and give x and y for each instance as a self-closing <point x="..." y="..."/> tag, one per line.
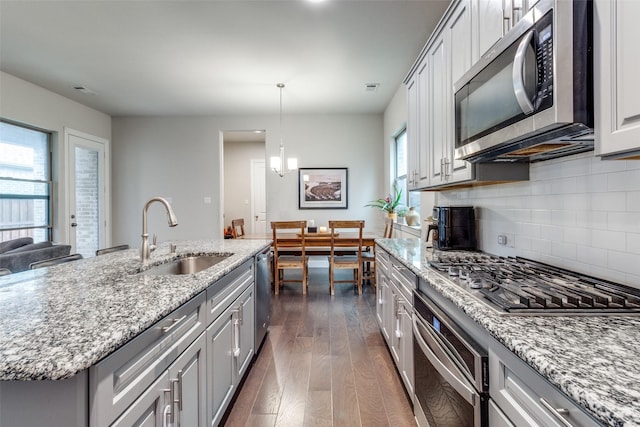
<point x="58" y="321"/>
<point x="593" y="359"/>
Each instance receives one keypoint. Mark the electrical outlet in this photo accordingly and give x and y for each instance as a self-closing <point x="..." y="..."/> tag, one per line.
<point x="506" y="239"/>
<point x="502" y="239"/>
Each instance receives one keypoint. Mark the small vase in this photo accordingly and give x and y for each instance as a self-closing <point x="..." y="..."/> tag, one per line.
<point x="393" y="216"/>
<point x="413" y="217"/>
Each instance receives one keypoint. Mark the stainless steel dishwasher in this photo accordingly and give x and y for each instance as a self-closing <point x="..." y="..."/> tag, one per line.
<point x="263" y="295"/>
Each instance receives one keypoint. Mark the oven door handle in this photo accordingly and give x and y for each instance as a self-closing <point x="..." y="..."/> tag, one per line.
<point x="446" y="367"/>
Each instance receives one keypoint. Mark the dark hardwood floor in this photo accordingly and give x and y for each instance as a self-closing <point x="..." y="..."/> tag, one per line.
<point x="323" y="363"/>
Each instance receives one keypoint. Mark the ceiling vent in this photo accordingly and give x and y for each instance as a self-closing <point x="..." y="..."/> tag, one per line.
<point x="371" y="87"/>
<point x="84" y="90"/>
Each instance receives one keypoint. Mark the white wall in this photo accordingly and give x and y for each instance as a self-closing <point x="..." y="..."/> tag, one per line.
<point x="578" y="212"/>
<point x="26" y="103"/>
<point x="237" y="182"/>
<point x="179" y="156"/>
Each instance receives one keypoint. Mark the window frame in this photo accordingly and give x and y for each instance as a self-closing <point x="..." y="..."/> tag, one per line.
<point x="48" y="225"/>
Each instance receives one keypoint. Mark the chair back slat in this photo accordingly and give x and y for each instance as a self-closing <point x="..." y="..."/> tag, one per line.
<point x="237" y="227"/>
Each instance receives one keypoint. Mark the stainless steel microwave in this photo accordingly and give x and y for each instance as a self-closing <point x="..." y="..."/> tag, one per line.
<point x="530" y="97"/>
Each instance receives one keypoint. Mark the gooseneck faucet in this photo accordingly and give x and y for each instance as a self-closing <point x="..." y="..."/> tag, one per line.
<point x="145" y="252"/>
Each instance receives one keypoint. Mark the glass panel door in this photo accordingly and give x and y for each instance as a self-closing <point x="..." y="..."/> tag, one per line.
<point x="86" y="196"/>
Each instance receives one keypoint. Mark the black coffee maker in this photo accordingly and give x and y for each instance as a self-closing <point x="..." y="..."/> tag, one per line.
<point x="455" y="228"/>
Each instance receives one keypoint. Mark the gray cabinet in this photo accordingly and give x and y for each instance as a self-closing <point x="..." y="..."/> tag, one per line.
<point x="177" y="397"/>
<point x="220" y="381"/>
<point x="394" y="312"/>
<point x="119" y="379"/>
<point x="230" y="340"/>
<point x="524" y="398"/>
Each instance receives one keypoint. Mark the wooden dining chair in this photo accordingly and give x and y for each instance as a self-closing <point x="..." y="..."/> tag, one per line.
<point x="342" y="262"/>
<point x="237" y="227"/>
<point x="284" y="239"/>
<point x="369" y="255"/>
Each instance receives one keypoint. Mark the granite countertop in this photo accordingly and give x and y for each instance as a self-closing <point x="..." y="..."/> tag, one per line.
<point x="592" y="359"/>
<point x="58" y="321"/>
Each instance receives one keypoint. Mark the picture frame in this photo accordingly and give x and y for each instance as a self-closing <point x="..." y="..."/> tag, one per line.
<point x="323" y="188"/>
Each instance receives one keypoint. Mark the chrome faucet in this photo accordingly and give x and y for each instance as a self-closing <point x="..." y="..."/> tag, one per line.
<point x="145" y="251"/>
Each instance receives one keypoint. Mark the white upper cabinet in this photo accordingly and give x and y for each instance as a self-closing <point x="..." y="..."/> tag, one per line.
<point x="494" y="18"/>
<point x="616" y="82"/>
<point x="417" y="129"/>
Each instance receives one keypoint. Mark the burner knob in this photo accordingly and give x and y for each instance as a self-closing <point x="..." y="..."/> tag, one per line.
<point x="453" y="270"/>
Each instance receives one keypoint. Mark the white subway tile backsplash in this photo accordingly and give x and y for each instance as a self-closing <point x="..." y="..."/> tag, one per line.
<point x="578" y="235"/>
<point x="633" y="243"/>
<point x="579" y="212"/>
<point x="624" y="262"/>
<point x="624" y="180"/>
<point x="624" y="221"/>
<point x="592" y="256"/>
<point x="611" y="201"/>
<point x="608" y="239"/>
<point x="633" y="201"/>
<point x="564" y="250"/>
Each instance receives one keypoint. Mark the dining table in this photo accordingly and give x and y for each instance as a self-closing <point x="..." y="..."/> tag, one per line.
<point x="318" y="243"/>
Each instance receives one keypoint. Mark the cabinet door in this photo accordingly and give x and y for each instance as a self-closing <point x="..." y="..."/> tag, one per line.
<point x="220" y="366"/>
<point x="380" y="284"/>
<point x="438" y="109"/>
<point x="489" y="23"/>
<point x="244" y="327"/>
<point x="188" y="380"/>
<point x="395" y="331"/>
<point x="406" y="346"/>
<point x="616" y="83"/>
<point x="459" y="40"/>
<point x="151" y="409"/>
<point x="413" y="129"/>
<point x="418" y="130"/>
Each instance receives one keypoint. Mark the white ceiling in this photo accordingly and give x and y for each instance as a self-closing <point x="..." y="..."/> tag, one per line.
<point x="217" y="57"/>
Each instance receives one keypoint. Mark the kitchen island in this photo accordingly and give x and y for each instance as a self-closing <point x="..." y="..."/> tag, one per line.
<point x="591" y="359"/>
<point x="57" y="323"/>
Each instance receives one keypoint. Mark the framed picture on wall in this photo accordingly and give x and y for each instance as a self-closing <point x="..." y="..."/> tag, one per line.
<point x="325" y="188"/>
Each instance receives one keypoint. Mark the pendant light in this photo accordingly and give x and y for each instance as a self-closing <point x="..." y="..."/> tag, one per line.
<point x="277" y="162"/>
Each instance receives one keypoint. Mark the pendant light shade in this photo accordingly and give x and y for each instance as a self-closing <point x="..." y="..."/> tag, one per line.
<point x="277" y="163"/>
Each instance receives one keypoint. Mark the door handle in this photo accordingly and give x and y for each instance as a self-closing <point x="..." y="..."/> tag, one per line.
<point x="74" y="224"/>
<point x="518" y="75"/>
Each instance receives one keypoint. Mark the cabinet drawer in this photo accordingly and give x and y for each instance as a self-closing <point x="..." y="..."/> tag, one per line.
<point x="526" y="398"/>
<point x="403" y="279"/>
<point x="223" y="292"/>
<point x="382" y="261"/>
<point x="118" y="380"/>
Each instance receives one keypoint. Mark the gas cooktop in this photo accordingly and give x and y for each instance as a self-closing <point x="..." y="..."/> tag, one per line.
<point x="521" y="286"/>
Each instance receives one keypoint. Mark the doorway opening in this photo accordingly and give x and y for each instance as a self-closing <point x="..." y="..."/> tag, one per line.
<point x="244" y="179"/>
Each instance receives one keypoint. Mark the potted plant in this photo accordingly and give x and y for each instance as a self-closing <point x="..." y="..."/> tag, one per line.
<point x="390" y="204"/>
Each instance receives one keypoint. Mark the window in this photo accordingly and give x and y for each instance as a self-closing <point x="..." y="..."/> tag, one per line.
<point x="25" y="183"/>
<point x="409" y="198"/>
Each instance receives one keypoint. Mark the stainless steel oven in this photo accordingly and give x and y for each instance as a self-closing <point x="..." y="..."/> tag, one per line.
<point x="451" y="371"/>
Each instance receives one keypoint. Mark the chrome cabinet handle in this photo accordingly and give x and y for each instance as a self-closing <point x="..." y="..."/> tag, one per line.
<point x="174" y="322"/>
<point x="559" y="413"/>
<point x="518" y="75"/>
<point x="446" y="168"/>
<point x="236" y="330"/>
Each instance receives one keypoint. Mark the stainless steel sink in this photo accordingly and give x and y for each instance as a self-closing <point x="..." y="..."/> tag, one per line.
<point x="187" y="265"/>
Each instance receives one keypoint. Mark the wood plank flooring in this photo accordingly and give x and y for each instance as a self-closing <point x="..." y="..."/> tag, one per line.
<point x="323" y="363"/>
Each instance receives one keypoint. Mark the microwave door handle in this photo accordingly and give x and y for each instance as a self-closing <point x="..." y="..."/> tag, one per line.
<point x="518" y="75"/>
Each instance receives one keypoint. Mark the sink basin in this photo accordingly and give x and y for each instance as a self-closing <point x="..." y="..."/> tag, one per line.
<point x="187" y="265"/>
